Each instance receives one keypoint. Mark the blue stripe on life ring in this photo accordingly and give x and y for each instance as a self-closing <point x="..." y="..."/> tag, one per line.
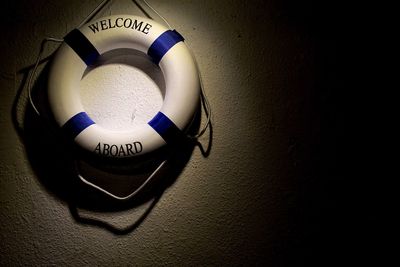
<point x="77" y="124"/>
<point x="82" y="46"/>
<point x="166" y="128"/>
<point x="162" y="44"/>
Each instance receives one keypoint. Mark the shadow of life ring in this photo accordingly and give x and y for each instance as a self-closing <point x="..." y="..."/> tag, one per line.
<point x="82" y="48"/>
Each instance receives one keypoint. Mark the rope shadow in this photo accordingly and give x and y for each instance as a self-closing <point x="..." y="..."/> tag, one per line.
<point x="206" y="151"/>
<point x="107" y="226"/>
<point x="52" y="160"/>
<point x="52" y="157"/>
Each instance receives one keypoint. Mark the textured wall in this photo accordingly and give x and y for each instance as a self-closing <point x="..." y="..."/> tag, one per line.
<point x="264" y="195"/>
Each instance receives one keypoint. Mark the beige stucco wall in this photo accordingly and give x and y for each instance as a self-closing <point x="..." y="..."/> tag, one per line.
<point x="267" y="72"/>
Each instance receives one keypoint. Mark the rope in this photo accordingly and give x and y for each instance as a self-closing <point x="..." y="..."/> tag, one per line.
<point x="131" y="195"/>
<point x="155" y="11"/>
<point x="94" y="12"/>
<point x="32" y="75"/>
<point x="205" y="103"/>
<point x="204" y="99"/>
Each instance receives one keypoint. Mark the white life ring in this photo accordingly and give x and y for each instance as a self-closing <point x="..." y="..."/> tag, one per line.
<point x="165" y="47"/>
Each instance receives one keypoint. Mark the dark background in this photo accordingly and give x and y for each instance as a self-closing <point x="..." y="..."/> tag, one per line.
<point x="291" y="189"/>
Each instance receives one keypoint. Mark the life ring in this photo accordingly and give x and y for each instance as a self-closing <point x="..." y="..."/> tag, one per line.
<point x="83" y="46"/>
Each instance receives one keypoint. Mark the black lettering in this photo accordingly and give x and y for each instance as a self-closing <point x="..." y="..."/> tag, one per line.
<point x="121" y="151"/>
<point x="136" y="25"/>
<point x="138" y="147"/>
<point x="110" y="25"/>
<point x="146" y="28"/>
<point x="94" y="27"/>
<point x="116" y="22"/>
<point x="98" y="149"/>
<point x="129" y="149"/>
<point x="120" y="22"/>
<point x="106" y="149"/>
<point x="115" y="149"/>
<point x="103" y="24"/>
<point x="130" y="23"/>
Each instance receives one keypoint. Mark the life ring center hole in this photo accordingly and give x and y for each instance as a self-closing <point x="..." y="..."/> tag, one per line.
<point x="125" y="90"/>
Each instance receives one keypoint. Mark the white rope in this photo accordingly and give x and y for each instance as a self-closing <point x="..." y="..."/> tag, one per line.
<point x="94" y="12"/>
<point x="204" y="99"/>
<point x="158" y="14"/>
<point x="57" y="40"/>
<point x="131" y="195"/>
<point x="205" y="102"/>
<point x="32" y="75"/>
